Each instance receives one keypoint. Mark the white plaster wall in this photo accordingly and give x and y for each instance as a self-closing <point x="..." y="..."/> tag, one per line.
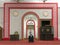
<point x="30" y="1"/>
<point x="35" y="1"/>
<point x="21" y="13"/>
<point x="38" y="12"/>
<point x="59" y="23"/>
<point x="1" y="18"/>
<point x="5" y="1"/>
<point x="15" y="21"/>
<point x="15" y="24"/>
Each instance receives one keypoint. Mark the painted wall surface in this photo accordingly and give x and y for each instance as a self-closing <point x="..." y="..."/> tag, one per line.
<point x="39" y="1"/>
<point x="59" y="23"/>
<point x="15" y="21"/>
<point x="5" y="1"/>
<point x="11" y="32"/>
<point x="39" y="12"/>
<point x="1" y="17"/>
<point x="15" y="24"/>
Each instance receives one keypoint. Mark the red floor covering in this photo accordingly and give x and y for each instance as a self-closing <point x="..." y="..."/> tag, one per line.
<point x="25" y="42"/>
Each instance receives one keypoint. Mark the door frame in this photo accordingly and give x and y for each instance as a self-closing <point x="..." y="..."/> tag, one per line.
<point x="27" y="28"/>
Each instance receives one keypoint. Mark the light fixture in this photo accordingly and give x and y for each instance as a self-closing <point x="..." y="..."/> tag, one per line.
<point x="44" y="1"/>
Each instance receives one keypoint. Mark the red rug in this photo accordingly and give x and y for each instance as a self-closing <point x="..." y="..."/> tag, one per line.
<point x="25" y="42"/>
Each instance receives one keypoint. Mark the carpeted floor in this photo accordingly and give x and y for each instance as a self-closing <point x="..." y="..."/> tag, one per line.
<point x="25" y="42"/>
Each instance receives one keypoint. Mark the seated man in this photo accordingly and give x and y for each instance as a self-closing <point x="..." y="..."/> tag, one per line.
<point x="31" y="38"/>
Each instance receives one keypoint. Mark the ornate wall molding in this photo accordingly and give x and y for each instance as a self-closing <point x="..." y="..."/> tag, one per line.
<point x="8" y="6"/>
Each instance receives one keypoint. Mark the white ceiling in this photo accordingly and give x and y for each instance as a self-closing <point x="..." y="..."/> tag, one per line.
<point x="4" y="1"/>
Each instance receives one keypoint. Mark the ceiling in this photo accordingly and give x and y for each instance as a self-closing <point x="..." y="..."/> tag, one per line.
<point x="5" y="1"/>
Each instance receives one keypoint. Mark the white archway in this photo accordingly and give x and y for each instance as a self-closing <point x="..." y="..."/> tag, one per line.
<point x="30" y="17"/>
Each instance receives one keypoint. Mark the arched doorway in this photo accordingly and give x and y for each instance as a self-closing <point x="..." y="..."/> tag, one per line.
<point x="30" y="16"/>
<point x="30" y="26"/>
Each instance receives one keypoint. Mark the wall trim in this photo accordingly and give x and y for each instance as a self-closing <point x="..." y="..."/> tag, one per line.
<point x="8" y="6"/>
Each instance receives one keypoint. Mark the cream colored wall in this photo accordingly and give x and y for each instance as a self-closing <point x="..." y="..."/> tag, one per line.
<point x="22" y="11"/>
<point x="39" y="1"/>
<point x="37" y="11"/>
<point x="59" y="23"/>
<point x="5" y="1"/>
<point x="1" y="18"/>
<point x="16" y="21"/>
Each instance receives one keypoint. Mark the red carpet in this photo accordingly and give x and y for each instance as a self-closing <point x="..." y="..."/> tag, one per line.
<point x="25" y="42"/>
